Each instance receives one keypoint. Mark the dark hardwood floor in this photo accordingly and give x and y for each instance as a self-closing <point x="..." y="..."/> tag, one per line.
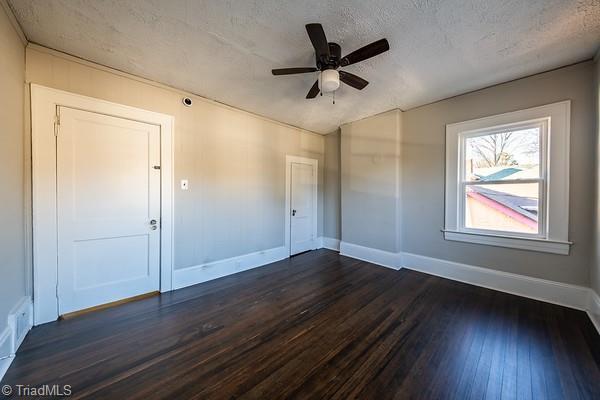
<point x="319" y="326"/>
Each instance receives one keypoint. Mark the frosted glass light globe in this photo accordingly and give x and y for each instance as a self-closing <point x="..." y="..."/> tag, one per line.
<point x="329" y="80"/>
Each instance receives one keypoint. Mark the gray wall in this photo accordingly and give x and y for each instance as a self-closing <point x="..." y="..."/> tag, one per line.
<point x="370" y="162"/>
<point x="12" y="234"/>
<point x="423" y="173"/>
<point x="595" y="267"/>
<point x="234" y="160"/>
<point x="332" y="219"/>
<point x="374" y="171"/>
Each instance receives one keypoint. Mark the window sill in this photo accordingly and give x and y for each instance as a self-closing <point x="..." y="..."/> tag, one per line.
<point x="541" y="245"/>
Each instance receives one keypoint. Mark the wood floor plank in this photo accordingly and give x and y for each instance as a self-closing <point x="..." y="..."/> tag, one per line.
<point x="319" y="325"/>
<point x="510" y="355"/>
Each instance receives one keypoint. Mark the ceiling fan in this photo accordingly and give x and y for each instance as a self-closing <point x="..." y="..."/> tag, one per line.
<point x="329" y="58"/>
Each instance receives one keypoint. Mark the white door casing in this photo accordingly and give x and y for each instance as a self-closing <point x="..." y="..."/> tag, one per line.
<point x="301" y="204"/>
<point x="45" y="130"/>
<point x="108" y="198"/>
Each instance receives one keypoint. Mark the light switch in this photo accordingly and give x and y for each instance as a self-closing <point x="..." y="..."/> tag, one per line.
<point x="184" y="184"/>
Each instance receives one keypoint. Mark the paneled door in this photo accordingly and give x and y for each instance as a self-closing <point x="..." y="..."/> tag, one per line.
<point x="108" y="209"/>
<point x="302" y="193"/>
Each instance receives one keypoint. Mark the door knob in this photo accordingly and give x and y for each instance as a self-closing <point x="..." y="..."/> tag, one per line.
<point x="153" y="222"/>
<point x="153" y="227"/>
<point x="293" y="213"/>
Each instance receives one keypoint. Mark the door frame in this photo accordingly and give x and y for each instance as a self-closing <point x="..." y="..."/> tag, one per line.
<point x="44" y="102"/>
<point x="288" y="198"/>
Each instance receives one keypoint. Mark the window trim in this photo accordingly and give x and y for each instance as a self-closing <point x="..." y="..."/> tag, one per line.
<point x="553" y="206"/>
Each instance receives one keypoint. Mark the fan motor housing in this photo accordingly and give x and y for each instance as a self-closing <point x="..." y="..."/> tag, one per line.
<point x="335" y="55"/>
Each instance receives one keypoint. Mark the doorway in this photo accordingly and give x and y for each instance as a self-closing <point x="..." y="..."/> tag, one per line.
<point x="301" y="204"/>
<point x="102" y="201"/>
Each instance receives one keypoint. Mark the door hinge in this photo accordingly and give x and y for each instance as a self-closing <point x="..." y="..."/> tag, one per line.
<point x="56" y="123"/>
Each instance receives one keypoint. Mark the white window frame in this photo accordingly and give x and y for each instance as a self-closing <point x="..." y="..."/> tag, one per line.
<point x="553" y="209"/>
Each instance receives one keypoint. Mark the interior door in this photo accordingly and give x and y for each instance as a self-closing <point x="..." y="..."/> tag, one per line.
<point x="302" y="208"/>
<point x="108" y="211"/>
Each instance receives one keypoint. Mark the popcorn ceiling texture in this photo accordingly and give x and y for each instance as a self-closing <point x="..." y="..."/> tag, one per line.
<point x="224" y="50"/>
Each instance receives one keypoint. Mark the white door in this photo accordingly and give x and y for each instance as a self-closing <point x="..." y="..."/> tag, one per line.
<point x="108" y="210"/>
<point x="302" y="208"/>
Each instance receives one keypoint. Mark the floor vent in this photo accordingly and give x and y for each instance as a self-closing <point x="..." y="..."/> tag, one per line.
<point x="20" y="322"/>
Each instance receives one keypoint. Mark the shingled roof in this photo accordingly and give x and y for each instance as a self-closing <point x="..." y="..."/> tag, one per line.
<point x="526" y="206"/>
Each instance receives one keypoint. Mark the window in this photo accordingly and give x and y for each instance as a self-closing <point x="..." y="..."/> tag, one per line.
<point x="503" y="180"/>
<point x="507" y="179"/>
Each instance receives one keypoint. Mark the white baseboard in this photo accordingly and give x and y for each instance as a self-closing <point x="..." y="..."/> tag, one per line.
<point x="6" y="355"/>
<point x="594" y="309"/>
<point x="217" y="269"/>
<point x="20" y="322"/>
<point x="564" y="294"/>
<point x="375" y="256"/>
<point x="535" y="288"/>
<point x="329" y="243"/>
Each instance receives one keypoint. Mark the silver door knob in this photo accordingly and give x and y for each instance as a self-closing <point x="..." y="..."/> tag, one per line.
<point x="153" y="227"/>
<point x="153" y="222"/>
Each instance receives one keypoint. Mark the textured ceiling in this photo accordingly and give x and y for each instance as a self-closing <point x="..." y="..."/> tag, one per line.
<point x="224" y="50"/>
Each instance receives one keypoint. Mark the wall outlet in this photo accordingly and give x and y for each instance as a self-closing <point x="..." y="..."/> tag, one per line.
<point x="184" y="184"/>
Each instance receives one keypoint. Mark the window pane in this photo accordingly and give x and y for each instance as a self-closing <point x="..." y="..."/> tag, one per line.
<point x="504" y="155"/>
<point x="502" y="207"/>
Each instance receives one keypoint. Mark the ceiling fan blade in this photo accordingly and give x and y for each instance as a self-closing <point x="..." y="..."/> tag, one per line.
<point x="319" y="41"/>
<point x="368" y="51"/>
<point x="314" y="91"/>
<point x="352" y="80"/>
<point x="289" y="71"/>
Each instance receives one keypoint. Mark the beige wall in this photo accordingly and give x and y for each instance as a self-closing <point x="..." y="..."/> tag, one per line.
<point x="234" y="161"/>
<point x="12" y="234"/>
<point x="370" y="162"/>
<point x="332" y="188"/>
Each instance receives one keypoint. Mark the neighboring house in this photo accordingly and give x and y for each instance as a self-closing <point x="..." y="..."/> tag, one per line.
<point x="513" y="209"/>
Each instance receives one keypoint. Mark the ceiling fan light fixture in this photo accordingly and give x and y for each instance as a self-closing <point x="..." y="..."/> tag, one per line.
<point x="329" y="80"/>
<point x="328" y="58"/>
